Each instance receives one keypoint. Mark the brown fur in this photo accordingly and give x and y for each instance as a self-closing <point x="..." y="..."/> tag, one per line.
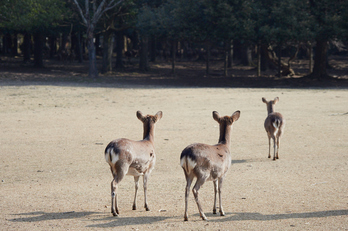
<point x="135" y="158"/>
<point x="274" y="126"/>
<point x="208" y="162"/>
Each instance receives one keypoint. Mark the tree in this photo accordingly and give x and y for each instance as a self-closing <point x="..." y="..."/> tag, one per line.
<point x="327" y="24"/>
<point x="90" y="17"/>
<point x="36" y="17"/>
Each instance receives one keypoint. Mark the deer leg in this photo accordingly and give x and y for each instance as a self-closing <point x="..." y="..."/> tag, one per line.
<point x="215" y="193"/>
<point x="199" y="183"/>
<point x="222" y="213"/>
<point x="187" y="193"/>
<point x="275" y="148"/>
<point x="117" y="178"/>
<point x="136" y="182"/>
<point x="145" y="177"/>
<point x="269" y="145"/>
<point x="278" y="142"/>
<point x="114" y="198"/>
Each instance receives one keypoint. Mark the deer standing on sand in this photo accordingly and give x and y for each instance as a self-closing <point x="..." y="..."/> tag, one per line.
<point x="208" y="162"/>
<point x="274" y="126"/>
<point x="135" y="158"/>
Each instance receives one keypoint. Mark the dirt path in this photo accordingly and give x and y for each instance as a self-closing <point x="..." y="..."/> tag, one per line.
<point x="54" y="176"/>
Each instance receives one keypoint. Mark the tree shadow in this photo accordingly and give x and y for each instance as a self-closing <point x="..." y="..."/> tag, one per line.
<point x="42" y="216"/>
<point x="269" y="217"/>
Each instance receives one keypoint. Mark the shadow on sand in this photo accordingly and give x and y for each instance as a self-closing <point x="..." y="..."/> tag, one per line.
<point x="110" y="220"/>
<point x="262" y="217"/>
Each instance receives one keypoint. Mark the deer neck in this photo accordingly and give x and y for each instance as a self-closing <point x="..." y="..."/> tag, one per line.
<point x="149" y="131"/>
<point x="225" y="135"/>
<point x="270" y="108"/>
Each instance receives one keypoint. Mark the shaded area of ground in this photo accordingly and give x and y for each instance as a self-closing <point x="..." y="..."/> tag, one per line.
<point x="188" y="74"/>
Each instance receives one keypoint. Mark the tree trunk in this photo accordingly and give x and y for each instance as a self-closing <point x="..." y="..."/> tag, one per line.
<point x="79" y="48"/>
<point x="38" y="49"/>
<point x="208" y="59"/>
<point x="258" y="60"/>
<point x="230" y="54"/>
<point x="279" y="60"/>
<point x="310" y="54"/>
<point x="26" y="47"/>
<point x="226" y="59"/>
<point x="320" y="58"/>
<point x="144" y="61"/>
<point x="153" y="49"/>
<point x="93" y="71"/>
<point x="15" y="45"/>
<point x="119" y="50"/>
<point x="173" y="56"/>
<point x="107" y="46"/>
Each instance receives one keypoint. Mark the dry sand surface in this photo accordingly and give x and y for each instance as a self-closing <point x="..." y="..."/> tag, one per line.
<point x="54" y="175"/>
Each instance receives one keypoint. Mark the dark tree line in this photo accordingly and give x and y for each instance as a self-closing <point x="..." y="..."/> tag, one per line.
<point x="173" y="28"/>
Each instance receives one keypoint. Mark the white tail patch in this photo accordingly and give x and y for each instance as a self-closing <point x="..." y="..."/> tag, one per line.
<point x="276" y="124"/>
<point x="187" y="164"/>
<point x="111" y="153"/>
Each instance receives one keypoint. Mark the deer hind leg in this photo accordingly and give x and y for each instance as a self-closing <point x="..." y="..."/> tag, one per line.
<point x="199" y="183"/>
<point x="215" y="193"/>
<point x="146" y="175"/>
<point x="136" y="182"/>
<point x="222" y="213"/>
<point x="278" y="143"/>
<point x="114" y="208"/>
<point x="269" y="145"/>
<point x="117" y="178"/>
<point x="189" y="180"/>
<point x="275" y="147"/>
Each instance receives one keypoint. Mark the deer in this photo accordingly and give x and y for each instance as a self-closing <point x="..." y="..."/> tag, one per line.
<point x="135" y="158"/>
<point x="274" y="126"/>
<point x="208" y="163"/>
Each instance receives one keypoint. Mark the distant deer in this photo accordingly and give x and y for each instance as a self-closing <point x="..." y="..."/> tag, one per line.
<point x="135" y="158"/>
<point x="208" y="162"/>
<point x="274" y="126"/>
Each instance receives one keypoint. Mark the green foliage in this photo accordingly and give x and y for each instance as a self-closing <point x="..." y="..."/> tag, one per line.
<point x="32" y="15"/>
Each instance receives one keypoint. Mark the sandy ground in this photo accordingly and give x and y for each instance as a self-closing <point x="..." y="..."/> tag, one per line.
<point x="54" y="176"/>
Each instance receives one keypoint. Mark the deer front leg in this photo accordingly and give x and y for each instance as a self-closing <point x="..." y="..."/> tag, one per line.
<point x="136" y="182"/>
<point x="145" y="191"/>
<point x="215" y="194"/>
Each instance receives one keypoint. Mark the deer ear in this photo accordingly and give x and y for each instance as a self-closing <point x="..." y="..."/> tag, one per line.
<point x="159" y="115"/>
<point x="140" y="115"/>
<point x="216" y="116"/>
<point x="235" y="116"/>
<point x="264" y="100"/>
<point x="276" y="99"/>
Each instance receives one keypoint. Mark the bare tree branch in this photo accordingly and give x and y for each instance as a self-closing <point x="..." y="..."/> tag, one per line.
<point x="81" y="12"/>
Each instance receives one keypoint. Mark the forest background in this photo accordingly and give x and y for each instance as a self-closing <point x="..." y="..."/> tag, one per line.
<point x="138" y="34"/>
